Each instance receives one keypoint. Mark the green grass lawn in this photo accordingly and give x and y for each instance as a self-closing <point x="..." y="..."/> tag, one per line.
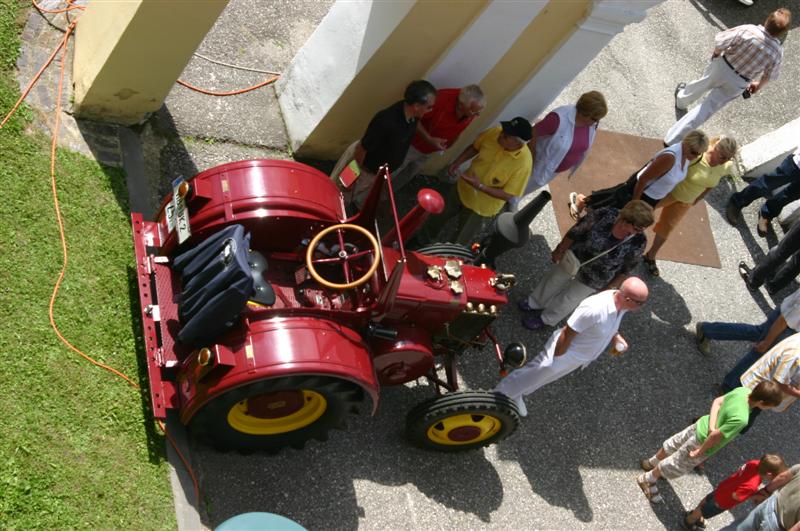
<point x="77" y="448"/>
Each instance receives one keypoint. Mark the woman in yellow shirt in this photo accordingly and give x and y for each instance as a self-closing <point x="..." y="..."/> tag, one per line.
<point x="701" y="177"/>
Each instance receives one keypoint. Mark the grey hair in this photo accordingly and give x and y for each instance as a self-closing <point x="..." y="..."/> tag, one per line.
<point x="471" y="93"/>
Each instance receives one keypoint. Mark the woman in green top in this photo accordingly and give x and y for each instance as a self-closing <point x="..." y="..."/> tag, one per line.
<point x="701" y="177"/>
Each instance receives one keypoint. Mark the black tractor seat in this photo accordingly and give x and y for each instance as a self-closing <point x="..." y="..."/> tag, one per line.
<point x="262" y="290"/>
<point x="219" y="275"/>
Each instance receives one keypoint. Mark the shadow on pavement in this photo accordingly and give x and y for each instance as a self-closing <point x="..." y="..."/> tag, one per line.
<point x="664" y="301"/>
<point x="173" y="159"/>
<point x="320" y="486"/>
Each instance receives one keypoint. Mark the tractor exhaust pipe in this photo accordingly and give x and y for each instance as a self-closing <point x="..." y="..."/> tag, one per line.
<point x="511" y="230"/>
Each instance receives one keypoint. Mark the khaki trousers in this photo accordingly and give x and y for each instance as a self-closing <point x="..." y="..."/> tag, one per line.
<point x="557" y="294"/>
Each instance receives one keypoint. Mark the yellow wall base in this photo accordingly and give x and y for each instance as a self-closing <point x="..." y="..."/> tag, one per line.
<point x="129" y="53"/>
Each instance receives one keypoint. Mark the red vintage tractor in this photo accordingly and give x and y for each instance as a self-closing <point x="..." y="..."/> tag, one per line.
<point x="269" y="315"/>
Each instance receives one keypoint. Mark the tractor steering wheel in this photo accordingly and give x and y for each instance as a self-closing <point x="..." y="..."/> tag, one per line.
<point x="343" y="257"/>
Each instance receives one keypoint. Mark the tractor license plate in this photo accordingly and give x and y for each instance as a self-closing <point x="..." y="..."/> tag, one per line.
<point x="177" y="214"/>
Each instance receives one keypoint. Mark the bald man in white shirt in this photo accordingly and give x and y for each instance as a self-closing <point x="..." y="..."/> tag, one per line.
<point x="589" y="330"/>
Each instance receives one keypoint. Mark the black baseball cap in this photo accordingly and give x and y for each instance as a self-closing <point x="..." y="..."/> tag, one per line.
<point x="519" y="127"/>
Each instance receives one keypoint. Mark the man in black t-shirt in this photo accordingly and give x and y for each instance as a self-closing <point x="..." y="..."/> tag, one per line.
<point x="389" y="135"/>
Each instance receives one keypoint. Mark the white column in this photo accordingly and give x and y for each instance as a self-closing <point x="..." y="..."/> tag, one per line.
<point x="607" y="18"/>
<point x="484" y="43"/>
<point x="332" y="57"/>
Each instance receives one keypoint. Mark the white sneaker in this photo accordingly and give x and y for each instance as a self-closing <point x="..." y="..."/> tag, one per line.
<point x="523" y="411"/>
<point x="746" y="2"/>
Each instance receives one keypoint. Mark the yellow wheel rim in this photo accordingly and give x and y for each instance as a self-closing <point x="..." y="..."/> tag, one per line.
<point x="468" y="428"/>
<point x="243" y="418"/>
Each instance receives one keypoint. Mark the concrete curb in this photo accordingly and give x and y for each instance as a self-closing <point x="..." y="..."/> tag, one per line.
<point x="186" y="507"/>
<point x="764" y="154"/>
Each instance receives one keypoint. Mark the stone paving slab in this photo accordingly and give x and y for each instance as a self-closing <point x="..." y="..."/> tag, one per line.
<point x="41" y="35"/>
<point x="250" y="119"/>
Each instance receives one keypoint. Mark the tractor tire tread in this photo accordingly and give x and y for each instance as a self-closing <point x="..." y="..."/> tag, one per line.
<point x="448" y="250"/>
<point x="430" y="412"/>
<point x="210" y="426"/>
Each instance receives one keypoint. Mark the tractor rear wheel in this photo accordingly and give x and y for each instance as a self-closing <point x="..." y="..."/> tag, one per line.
<point x="271" y="414"/>
<point x="449" y="250"/>
<point x="463" y="420"/>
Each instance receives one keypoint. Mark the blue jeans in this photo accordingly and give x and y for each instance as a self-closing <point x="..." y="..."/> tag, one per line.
<point x="763" y="518"/>
<point x="740" y="332"/>
<point x="786" y="174"/>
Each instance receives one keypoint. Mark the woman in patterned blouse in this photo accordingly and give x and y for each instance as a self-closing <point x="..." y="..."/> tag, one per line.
<point x="616" y="232"/>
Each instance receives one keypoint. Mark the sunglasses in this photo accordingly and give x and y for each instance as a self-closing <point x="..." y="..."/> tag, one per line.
<point x="635" y="301"/>
<point x="637" y="228"/>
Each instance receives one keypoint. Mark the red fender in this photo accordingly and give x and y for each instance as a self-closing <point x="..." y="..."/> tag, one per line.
<point x="279" y="201"/>
<point x="276" y="348"/>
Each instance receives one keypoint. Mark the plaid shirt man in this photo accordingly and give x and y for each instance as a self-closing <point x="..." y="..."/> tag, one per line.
<point x="751" y="51"/>
<point x="781" y="364"/>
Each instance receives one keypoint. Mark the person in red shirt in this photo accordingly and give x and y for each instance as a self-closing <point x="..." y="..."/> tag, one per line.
<point x="735" y="489"/>
<point x="438" y="130"/>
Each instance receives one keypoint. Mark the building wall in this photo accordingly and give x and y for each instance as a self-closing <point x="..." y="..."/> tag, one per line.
<point x="359" y="61"/>
<point x="129" y="54"/>
<point x="364" y="53"/>
<point x="553" y="25"/>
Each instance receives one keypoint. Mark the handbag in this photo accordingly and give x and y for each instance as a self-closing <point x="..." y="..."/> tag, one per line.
<point x="570" y="263"/>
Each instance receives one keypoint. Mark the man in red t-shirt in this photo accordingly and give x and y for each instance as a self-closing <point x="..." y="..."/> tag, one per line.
<point x="453" y="111"/>
<point x="735" y="489"/>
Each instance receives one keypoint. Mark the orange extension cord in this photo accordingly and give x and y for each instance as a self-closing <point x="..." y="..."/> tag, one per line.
<point x="64" y="249"/>
<point x="232" y="92"/>
<point x="70" y="7"/>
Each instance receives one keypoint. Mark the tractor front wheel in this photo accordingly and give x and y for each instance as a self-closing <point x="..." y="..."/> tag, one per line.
<point x="463" y="420"/>
<point x="271" y="414"/>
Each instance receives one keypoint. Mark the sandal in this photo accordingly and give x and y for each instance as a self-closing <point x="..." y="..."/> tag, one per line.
<point x="692" y="527"/>
<point x="574" y="211"/>
<point x="651" y="266"/>
<point x="649" y="490"/>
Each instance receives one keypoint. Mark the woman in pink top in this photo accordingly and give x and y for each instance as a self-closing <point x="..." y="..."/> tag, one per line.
<point x="562" y="139"/>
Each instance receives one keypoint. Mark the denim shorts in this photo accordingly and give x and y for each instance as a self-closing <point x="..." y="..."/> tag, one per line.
<point x="709" y="507"/>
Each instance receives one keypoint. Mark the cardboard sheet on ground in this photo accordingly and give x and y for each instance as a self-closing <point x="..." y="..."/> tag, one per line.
<point x="614" y="157"/>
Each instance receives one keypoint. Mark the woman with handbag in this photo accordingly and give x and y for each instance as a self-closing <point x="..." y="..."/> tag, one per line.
<point x="652" y="182"/>
<point x="596" y="254"/>
<point x="703" y="175"/>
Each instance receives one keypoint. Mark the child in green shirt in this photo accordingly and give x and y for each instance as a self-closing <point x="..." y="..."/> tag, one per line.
<point x="688" y="448"/>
